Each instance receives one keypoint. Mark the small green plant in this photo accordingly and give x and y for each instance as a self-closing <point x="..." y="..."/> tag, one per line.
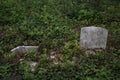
<point x="5" y="71"/>
<point x="9" y="56"/>
<point x="44" y="58"/>
<point x="24" y="67"/>
<point x="32" y="55"/>
<point x="68" y="65"/>
<point x="71" y="48"/>
<point x="42" y="70"/>
<point x="29" y="76"/>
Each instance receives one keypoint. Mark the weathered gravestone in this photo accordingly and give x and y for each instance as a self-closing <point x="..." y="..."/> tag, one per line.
<point x="25" y="49"/>
<point x="93" y="38"/>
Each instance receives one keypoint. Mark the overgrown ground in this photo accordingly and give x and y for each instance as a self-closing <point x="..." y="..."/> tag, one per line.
<point x="55" y="25"/>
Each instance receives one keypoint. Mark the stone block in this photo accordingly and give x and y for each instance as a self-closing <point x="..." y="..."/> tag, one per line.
<point x="93" y="37"/>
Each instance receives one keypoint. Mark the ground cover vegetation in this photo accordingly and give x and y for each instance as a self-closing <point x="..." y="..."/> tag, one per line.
<point x="55" y="26"/>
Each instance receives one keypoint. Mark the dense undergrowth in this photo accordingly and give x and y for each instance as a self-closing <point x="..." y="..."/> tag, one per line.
<point x="55" y="25"/>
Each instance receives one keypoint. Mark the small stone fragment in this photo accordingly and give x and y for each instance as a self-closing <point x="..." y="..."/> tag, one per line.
<point x="33" y="66"/>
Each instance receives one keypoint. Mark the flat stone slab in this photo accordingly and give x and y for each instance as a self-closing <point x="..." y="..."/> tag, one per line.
<point x="93" y="37"/>
<point x="25" y="49"/>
